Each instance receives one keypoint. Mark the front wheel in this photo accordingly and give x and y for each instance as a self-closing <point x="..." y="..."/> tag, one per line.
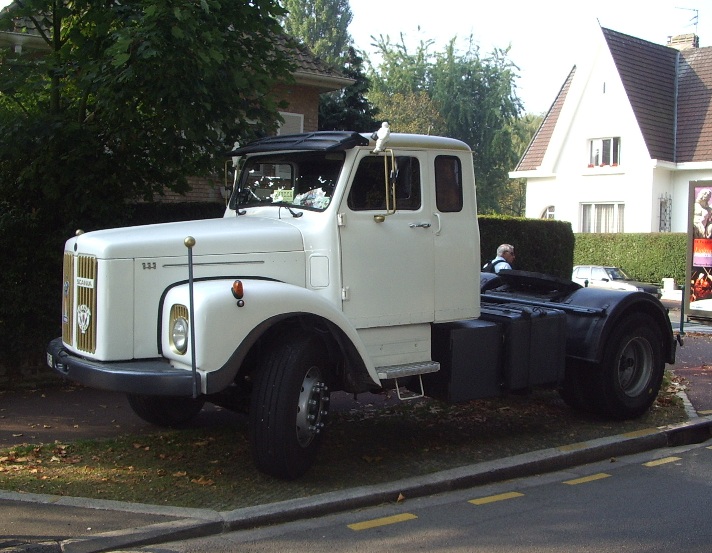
<point x="627" y="381"/>
<point x="288" y="408"/>
<point x="168" y="411"/>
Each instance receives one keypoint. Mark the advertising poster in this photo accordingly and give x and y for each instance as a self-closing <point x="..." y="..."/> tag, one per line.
<point x="699" y="258"/>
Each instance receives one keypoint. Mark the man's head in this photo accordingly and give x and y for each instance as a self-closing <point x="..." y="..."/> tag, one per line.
<point x="506" y="251"/>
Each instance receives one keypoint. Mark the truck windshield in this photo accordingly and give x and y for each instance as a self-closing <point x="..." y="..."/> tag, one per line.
<point x="299" y="179"/>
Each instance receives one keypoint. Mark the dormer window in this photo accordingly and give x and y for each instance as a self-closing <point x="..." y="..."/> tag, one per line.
<point x="604" y="152"/>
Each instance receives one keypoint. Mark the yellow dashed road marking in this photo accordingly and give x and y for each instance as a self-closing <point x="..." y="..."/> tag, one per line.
<point x="366" y="524"/>
<point x="586" y="479"/>
<point x="663" y="461"/>
<point x="494" y="498"/>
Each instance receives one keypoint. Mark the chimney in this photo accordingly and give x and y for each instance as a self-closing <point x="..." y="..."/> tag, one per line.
<point x="684" y="42"/>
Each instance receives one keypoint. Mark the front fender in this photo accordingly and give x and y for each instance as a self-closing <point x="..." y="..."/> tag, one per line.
<point x="222" y="327"/>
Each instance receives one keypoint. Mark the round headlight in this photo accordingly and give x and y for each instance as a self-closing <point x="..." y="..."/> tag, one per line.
<point x="179" y="335"/>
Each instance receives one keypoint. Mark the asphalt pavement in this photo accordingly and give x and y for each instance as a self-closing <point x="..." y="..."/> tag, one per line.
<point x="46" y="523"/>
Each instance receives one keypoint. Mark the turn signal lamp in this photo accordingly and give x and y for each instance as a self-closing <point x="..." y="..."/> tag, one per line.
<point x="237" y="292"/>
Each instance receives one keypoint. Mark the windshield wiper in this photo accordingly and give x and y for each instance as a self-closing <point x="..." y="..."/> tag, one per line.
<point x="295" y="214"/>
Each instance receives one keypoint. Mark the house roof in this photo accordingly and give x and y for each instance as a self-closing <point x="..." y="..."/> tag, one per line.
<point x="648" y="72"/>
<point x="669" y="92"/>
<point x="534" y="154"/>
<point x="310" y="69"/>
<point x="694" y="107"/>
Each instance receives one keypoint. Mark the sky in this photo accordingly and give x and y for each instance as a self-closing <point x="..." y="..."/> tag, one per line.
<point x="546" y="37"/>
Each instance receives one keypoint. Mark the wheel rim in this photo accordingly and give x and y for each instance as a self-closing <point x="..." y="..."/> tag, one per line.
<point x="312" y="408"/>
<point x="635" y="367"/>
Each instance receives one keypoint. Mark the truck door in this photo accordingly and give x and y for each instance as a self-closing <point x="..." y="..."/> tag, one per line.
<point x="387" y="261"/>
<point x="457" y="241"/>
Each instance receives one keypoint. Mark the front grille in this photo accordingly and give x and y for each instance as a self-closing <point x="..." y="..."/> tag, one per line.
<point x="68" y="299"/>
<point x="85" y="315"/>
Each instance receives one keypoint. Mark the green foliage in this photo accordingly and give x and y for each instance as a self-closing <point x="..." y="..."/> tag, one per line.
<point x="648" y="257"/>
<point x="130" y="98"/>
<point x="540" y="245"/>
<point x="32" y="276"/>
<point x="348" y="109"/>
<point x="31" y="284"/>
<point x="458" y="94"/>
<point x="322" y="25"/>
<point x="410" y="112"/>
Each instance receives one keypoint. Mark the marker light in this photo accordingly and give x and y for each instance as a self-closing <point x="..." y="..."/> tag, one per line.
<point x="237" y="290"/>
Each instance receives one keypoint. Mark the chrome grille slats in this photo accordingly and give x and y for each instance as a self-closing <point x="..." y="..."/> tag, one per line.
<point x="85" y="311"/>
<point x="68" y="299"/>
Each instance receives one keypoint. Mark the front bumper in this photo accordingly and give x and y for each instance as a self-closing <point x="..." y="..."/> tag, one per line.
<point x="146" y="377"/>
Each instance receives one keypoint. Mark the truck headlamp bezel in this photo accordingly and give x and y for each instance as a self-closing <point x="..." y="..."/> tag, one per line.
<point x="179" y="335"/>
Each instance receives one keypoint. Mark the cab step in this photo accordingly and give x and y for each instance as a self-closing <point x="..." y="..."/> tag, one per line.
<point x="394" y="372"/>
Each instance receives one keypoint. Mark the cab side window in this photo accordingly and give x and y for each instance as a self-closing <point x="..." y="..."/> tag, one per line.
<point x="368" y="191"/>
<point x="448" y="184"/>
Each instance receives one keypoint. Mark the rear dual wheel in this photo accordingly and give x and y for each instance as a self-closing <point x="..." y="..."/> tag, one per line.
<point x="627" y="380"/>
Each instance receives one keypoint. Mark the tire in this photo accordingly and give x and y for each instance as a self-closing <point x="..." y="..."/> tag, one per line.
<point x="288" y="407"/>
<point x="575" y="390"/>
<point x="627" y="381"/>
<point x="166" y="411"/>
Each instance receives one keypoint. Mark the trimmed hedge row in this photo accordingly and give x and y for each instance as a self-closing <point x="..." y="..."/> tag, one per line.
<point x="31" y="281"/>
<point x="550" y="247"/>
<point x="645" y="257"/>
<point x="540" y="245"/>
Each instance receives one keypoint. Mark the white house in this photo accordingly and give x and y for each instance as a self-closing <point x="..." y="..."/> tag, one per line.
<point x="629" y="130"/>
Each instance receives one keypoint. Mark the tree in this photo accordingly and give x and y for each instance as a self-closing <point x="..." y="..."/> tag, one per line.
<point x="125" y="98"/>
<point x="513" y="198"/>
<point x="131" y="97"/>
<point x="323" y="25"/>
<point x="475" y="96"/>
<point x="348" y="109"/>
<point x="411" y="112"/>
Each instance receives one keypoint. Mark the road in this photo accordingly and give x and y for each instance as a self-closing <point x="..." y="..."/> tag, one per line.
<point x="658" y="501"/>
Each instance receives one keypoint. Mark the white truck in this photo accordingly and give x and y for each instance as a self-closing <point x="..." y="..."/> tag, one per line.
<point x="341" y="264"/>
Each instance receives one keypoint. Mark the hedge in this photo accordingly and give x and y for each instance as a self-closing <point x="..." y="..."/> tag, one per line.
<point x="540" y="245"/>
<point x="31" y="281"/>
<point x="645" y="257"/>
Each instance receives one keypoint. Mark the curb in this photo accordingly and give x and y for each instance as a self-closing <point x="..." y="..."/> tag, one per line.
<point x="195" y="523"/>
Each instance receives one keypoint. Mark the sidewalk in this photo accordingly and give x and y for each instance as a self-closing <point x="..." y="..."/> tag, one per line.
<point x="44" y="523"/>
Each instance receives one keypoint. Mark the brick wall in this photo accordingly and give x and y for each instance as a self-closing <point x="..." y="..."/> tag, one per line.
<point x="302" y="100"/>
<point x="202" y="190"/>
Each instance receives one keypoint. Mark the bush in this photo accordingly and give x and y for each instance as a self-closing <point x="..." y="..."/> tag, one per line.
<point x="540" y="245"/>
<point x="31" y="279"/>
<point x="645" y="257"/>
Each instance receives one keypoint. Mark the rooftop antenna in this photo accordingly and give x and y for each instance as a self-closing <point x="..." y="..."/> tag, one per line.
<point x="695" y="19"/>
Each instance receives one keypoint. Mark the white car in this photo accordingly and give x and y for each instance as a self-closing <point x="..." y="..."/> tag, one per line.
<point x="613" y="278"/>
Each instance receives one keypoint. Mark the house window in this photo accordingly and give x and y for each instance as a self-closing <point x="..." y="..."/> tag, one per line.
<point x="293" y="123"/>
<point x="606" y="217"/>
<point x="604" y="152"/>
<point x="549" y="213"/>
